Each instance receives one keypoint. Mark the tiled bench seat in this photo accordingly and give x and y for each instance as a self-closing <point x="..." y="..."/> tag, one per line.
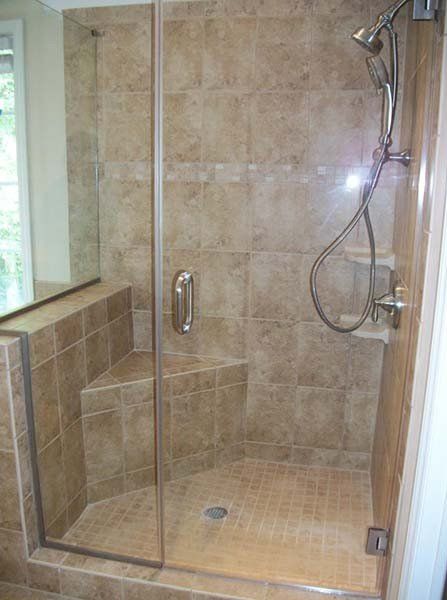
<point x="204" y="420"/>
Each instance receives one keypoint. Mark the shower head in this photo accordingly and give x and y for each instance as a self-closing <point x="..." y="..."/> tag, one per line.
<point x="368" y="37"/>
<point x="378" y="72"/>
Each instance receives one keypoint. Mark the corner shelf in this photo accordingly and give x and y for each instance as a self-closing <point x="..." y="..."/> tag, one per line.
<point x="360" y="255"/>
<point x="369" y="330"/>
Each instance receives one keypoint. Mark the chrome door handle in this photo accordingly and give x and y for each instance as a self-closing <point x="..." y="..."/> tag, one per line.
<point x="183" y="291"/>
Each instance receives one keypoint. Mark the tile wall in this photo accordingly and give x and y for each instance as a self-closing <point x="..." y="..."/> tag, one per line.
<point x="270" y="120"/>
<point x="72" y="341"/>
<point x="411" y="238"/>
<point x="204" y="416"/>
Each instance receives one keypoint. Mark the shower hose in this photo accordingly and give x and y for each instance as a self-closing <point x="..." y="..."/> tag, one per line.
<point x="380" y="158"/>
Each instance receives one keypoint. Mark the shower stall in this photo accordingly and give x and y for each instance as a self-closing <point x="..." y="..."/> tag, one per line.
<point x="191" y="407"/>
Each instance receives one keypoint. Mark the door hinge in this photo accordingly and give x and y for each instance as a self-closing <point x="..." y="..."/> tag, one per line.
<point x="425" y="10"/>
<point x="377" y="541"/>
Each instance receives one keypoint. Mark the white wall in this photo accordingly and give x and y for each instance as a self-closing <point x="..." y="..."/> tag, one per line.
<point x="45" y="99"/>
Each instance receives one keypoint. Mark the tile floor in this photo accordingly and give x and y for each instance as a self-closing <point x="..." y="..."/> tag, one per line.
<point x="285" y="523"/>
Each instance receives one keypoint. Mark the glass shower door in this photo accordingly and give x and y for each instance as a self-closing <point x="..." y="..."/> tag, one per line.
<point x="205" y="258"/>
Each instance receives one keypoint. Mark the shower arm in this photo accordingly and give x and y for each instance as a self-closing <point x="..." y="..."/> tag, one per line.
<point x="388" y="15"/>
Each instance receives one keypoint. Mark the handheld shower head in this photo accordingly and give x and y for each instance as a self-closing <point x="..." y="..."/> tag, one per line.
<point x="378" y="72"/>
<point x="380" y="77"/>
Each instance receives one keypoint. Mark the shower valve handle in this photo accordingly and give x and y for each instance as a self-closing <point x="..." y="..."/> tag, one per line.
<point x="386" y="302"/>
<point x="392" y="303"/>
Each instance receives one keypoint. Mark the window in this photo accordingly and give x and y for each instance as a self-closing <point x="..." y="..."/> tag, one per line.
<point x="16" y="281"/>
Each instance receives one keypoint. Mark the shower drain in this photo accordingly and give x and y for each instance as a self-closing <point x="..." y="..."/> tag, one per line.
<point x="215" y="512"/>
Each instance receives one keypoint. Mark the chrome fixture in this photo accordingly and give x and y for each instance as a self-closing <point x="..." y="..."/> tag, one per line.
<point x="379" y="75"/>
<point x="183" y="292"/>
<point x="377" y="541"/>
<point x="386" y="83"/>
<point x="392" y="303"/>
<point x="368" y="37"/>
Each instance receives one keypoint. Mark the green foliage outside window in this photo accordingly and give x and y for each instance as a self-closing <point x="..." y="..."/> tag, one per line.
<point x="11" y="264"/>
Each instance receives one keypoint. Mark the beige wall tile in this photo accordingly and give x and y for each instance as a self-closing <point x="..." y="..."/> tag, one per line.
<point x="335" y="60"/>
<point x="71" y="375"/>
<point x="103" y="439"/>
<point x="126" y="57"/>
<point x="41" y="345"/>
<point x="89" y="586"/>
<point x="95" y="316"/>
<point x="6" y="440"/>
<point x="277" y="217"/>
<point x="125" y="212"/>
<point x="121" y="264"/>
<point x="43" y="577"/>
<point x="149" y="591"/>
<point x="336" y="281"/>
<point x="225" y="281"/>
<point x="97" y="353"/>
<point x="107" y="488"/>
<point x="137" y="392"/>
<point x="323" y="357"/>
<point x="183" y="55"/>
<point x="45" y="402"/>
<point x="193" y="423"/>
<point x="120" y="338"/>
<point x="183" y="127"/>
<point x="226" y="122"/>
<point x="223" y="337"/>
<point x="276" y="290"/>
<point x="360" y="421"/>
<point x="225" y="217"/>
<point x="270" y="452"/>
<point x="74" y="460"/>
<point x="139" y="441"/>
<point x="52" y="480"/>
<point x="231" y="374"/>
<point x="100" y="400"/>
<point x="229" y="53"/>
<point x="68" y="331"/>
<point x="12" y="557"/>
<point x="336" y="121"/>
<point x="182" y="211"/>
<point x="325" y="214"/>
<point x="231" y="403"/>
<point x="282" y="54"/>
<point x="365" y="370"/>
<point x="126" y="127"/>
<point x="188" y="383"/>
<point x="281" y="128"/>
<point x="270" y="413"/>
<point x="182" y="467"/>
<point x="272" y="352"/>
<point x="10" y="510"/>
<point x="319" y="418"/>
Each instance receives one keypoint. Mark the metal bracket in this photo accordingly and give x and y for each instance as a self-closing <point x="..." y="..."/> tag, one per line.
<point x="425" y="10"/>
<point x="377" y="541"/>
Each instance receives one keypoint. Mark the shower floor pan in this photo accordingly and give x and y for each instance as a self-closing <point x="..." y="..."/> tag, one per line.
<point x="285" y="523"/>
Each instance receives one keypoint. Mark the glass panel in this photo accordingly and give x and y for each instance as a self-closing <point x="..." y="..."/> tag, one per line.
<point x="206" y="242"/>
<point x="48" y="153"/>
<point x="262" y="169"/>
<point x="93" y="398"/>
